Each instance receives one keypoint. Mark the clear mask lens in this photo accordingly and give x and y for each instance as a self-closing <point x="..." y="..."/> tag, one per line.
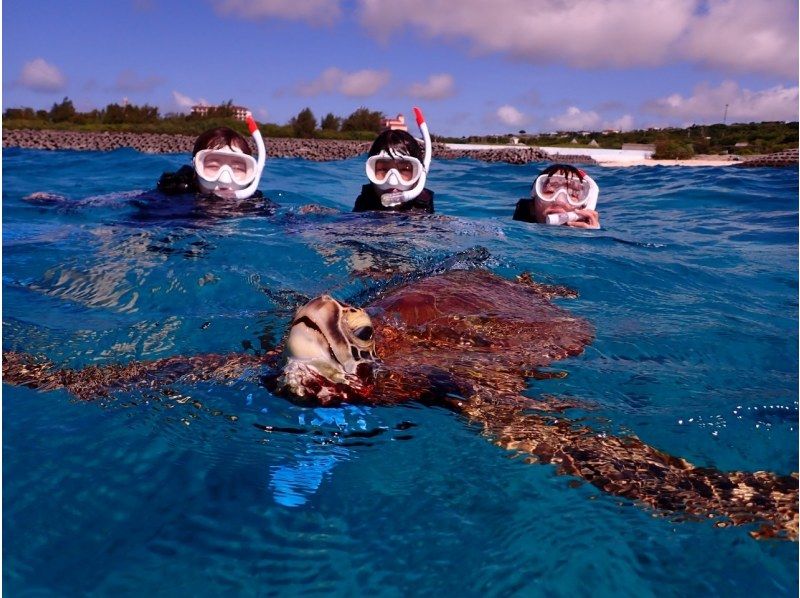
<point x="559" y="188"/>
<point x="225" y="167"/>
<point x="400" y="171"/>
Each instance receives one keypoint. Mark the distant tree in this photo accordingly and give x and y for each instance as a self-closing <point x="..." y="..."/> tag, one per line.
<point x="62" y="112"/>
<point x="331" y="122"/>
<point x="670" y="149"/>
<point x="304" y="123"/>
<point x="363" y="119"/>
<point x="522" y="131"/>
<point x="95" y="115"/>
<point x="42" y="114"/>
<point x="140" y="114"/>
<point x="114" y="114"/>
<point x="129" y="113"/>
<point x="19" y="114"/>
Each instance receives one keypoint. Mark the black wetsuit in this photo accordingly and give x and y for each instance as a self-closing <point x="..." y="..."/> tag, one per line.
<point x="524" y="210"/>
<point x="180" y="196"/>
<point x="370" y="200"/>
<point x="179" y="182"/>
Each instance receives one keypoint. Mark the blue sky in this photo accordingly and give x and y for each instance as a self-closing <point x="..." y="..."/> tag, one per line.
<point x="475" y="67"/>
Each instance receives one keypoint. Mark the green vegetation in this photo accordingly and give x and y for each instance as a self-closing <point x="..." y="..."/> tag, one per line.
<point x="363" y="120"/>
<point x="304" y="123"/>
<point x="364" y="124"/>
<point x="331" y="122"/>
<point x="670" y="149"/>
<point x="742" y="139"/>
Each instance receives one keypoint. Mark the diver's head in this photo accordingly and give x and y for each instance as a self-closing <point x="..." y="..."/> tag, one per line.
<point x="221" y="138"/>
<point x="223" y="162"/>
<point x="396" y="142"/>
<point x="560" y="189"/>
<point x="395" y="162"/>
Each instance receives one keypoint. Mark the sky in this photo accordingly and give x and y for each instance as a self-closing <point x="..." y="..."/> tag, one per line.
<point x="475" y="67"/>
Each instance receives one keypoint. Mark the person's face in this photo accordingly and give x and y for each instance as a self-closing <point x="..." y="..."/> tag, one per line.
<point x="404" y="167"/>
<point x="214" y="162"/>
<point x="573" y="186"/>
<point x="561" y="190"/>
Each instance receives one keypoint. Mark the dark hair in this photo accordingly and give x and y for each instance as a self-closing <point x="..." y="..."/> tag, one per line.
<point x="396" y="142"/>
<point x="219" y="138"/>
<point x="566" y="170"/>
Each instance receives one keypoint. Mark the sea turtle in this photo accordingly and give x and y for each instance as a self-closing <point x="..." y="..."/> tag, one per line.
<point x="467" y="340"/>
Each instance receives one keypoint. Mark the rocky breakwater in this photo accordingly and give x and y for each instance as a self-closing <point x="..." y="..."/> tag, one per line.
<point x="520" y="155"/>
<point x="572" y="159"/>
<point x="98" y="141"/>
<point x="154" y="143"/>
<point x="314" y="149"/>
<point x="784" y="158"/>
<point x="309" y="149"/>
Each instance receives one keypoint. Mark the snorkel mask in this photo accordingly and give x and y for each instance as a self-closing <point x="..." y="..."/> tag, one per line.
<point x="407" y="175"/>
<point x="230" y="172"/>
<point x="579" y="193"/>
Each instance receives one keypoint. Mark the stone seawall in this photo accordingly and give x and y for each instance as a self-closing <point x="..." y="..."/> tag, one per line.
<point x="154" y="143"/>
<point x="309" y="149"/>
<point x="784" y="158"/>
<point x="521" y="155"/>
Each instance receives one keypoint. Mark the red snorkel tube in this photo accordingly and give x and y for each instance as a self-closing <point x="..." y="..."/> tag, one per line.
<point x="426" y="161"/>
<point x="255" y="133"/>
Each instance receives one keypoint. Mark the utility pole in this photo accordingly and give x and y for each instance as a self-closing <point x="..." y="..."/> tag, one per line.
<point x="725" y="117"/>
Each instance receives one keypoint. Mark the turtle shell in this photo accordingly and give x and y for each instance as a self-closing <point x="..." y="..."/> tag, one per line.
<point x="469" y="332"/>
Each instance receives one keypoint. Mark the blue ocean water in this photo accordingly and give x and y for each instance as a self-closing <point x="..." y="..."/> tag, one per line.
<point x="692" y="286"/>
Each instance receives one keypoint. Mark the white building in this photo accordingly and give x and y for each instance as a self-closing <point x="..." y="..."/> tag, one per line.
<point x="239" y="112"/>
<point x="397" y="123"/>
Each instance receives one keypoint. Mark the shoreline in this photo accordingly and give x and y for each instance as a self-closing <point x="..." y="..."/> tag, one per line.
<point x="334" y="149"/>
<point x="692" y="162"/>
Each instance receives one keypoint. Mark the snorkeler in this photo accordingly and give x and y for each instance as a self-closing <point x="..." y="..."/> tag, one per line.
<point x="397" y="170"/>
<point x="561" y="195"/>
<point x="222" y="165"/>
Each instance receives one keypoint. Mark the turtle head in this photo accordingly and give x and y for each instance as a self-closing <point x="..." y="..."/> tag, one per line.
<point x="330" y="353"/>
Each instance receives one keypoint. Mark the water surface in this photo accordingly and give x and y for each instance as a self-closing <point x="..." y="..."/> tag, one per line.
<point x="691" y="285"/>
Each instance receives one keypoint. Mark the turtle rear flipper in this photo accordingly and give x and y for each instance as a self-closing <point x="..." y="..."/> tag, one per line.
<point x="628" y="467"/>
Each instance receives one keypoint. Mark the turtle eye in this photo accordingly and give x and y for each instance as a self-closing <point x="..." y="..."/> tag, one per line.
<point x="363" y="333"/>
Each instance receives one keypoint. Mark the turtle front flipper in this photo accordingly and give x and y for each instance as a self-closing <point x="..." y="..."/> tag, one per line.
<point x="23" y="369"/>
<point x="628" y="467"/>
<point x="93" y="382"/>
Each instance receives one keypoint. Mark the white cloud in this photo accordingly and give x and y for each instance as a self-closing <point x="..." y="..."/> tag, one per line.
<point x="740" y="35"/>
<point x="185" y="102"/>
<point x="437" y="87"/>
<point x="316" y="12"/>
<point x="129" y="81"/>
<point x="623" y="123"/>
<point x="39" y="75"/>
<point x="582" y="33"/>
<point x="707" y="104"/>
<point x="356" y="84"/>
<point x="508" y="115"/>
<point x="574" y="119"/>
<point x="363" y="83"/>
<point x="325" y="83"/>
